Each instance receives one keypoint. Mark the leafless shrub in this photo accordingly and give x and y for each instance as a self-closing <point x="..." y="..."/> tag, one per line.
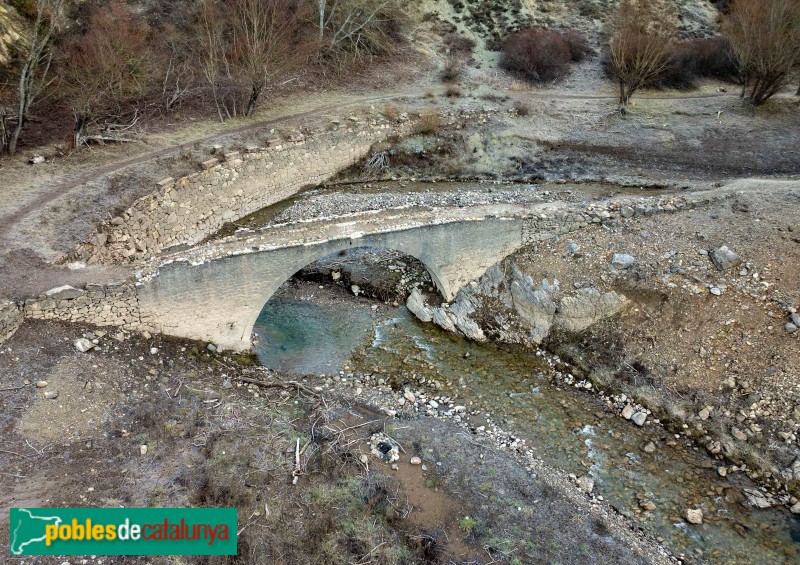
<point x="452" y="91"/>
<point x="429" y="123"/>
<point x="641" y="38"/>
<point x="765" y="39"/>
<point x="391" y="112"/>
<point x="453" y="69"/>
<point x="522" y="108"/>
<point x="698" y="58"/>
<point x="577" y="44"/>
<point x="107" y="67"/>
<point x="379" y="162"/>
<point x="538" y="54"/>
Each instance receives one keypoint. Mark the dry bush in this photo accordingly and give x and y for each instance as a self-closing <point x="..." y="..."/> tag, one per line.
<point x="542" y="55"/>
<point x="641" y="39"/>
<point x="459" y="45"/>
<point x="538" y="54"/>
<point x="391" y="112"/>
<point x="453" y="69"/>
<point x="452" y="91"/>
<point x="522" y="108"/>
<point x="578" y="45"/>
<point x="107" y="67"/>
<point x="765" y="39"/>
<point x="698" y="58"/>
<point x="429" y="123"/>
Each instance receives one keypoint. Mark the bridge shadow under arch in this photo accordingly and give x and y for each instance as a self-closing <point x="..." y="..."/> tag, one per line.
<point x="321" y="256"/>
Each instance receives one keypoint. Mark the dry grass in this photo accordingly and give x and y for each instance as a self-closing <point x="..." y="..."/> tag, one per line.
<point x="428" y="123"/>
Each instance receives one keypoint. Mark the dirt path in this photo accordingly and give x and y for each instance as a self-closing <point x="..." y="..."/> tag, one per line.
<point x="61" y="188"/>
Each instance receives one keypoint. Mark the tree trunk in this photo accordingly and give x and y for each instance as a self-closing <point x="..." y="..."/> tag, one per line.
<point x="251" y="102"/>
<point x="80" y="124"/>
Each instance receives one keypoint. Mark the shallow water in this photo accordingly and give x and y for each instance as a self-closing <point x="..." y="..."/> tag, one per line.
<point x="568" y="429"/>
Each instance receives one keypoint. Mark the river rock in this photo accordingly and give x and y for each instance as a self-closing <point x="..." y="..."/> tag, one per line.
<point x="586" y="484"/>
<point x="415" y="460"/>
<point x="416" y="305"/>
<point x="83" y="345"/>
<point x="409" y="396"/>
<point x="41" y="384"/>
<point x="621" y="261"/>
<point x="627" y="412"/>
<point x="639" y="418"/>
<point x="694" y="516"/>
<point x="795" y="509"/>
<point x="790" y="327"/>
<point x="724" y="259"/>
<point x="756" y="498"/>
<point x="796" y="319"/>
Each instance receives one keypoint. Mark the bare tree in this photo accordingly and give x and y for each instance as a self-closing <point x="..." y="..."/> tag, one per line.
<point x="211" y="50"/>
<point x="765" y="38"/>
<point x="265" y="45"/>
<point x="357" y="27"/>
<point x="107" y="68"/>
<point x="641" y="38"/>
<point x="33" y="74"/>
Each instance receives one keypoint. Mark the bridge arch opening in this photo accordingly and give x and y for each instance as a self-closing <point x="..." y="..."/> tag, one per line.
<point x="302" y="306"/>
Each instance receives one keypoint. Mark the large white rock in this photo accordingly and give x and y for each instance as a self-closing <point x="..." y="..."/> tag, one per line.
<point x="63" y="292"/>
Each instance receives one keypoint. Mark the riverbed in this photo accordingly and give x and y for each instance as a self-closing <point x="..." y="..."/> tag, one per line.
<point x="308" y="329"/>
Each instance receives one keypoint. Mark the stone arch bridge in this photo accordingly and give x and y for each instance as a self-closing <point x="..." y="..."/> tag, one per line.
<point x="215" y="292"/>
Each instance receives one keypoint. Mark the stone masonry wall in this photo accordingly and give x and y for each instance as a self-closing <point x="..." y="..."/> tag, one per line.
<point x="102" y="305"/>
<point x="231" y="186"/>
<point x="10" y="319"/>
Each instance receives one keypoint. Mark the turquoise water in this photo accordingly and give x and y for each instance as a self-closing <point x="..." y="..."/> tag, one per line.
<point x="569" y="430"/>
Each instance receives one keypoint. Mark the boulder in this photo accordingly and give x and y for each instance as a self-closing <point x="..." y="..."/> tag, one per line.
<point x="587" y="307"/>
<point x="621" y="261"/>
<point x="65" y="292"/>
<point x="416" y="305"/>
<point x="83" y="345"/>
<point x="724" y="259"/>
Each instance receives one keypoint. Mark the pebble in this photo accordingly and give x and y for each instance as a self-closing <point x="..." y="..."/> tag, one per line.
<point x="622" y="261"/>
<point x="694" y="516"/>
<point x="408" y="395"/>
<point x="650" y="447"/>
<point x="83" y="345"/>
<point x="153" y="350"/>
<point x="790" y="327"/>
<point x="739" y="434"/>
<point x="704" y="413"/>
<point x="639" y="418"/>
<point x="51" y="394"/>
<point x="143" y="449"/>
<point x="415" y="460"/>
<point x="586" y="484"/>
<point x="715" y="291"/>
<point x="627" y="412"/>
<point x="41" y="384"/>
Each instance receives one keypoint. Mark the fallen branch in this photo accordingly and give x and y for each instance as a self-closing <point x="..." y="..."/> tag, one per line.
<point x="13" y="388"/>
<point x="279" y="384"/>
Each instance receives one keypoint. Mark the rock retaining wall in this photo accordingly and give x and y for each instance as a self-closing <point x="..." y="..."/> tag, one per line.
<point x="231" y="186"/>
<point x="10" y="319"/>
<point x="102" y="305"/>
